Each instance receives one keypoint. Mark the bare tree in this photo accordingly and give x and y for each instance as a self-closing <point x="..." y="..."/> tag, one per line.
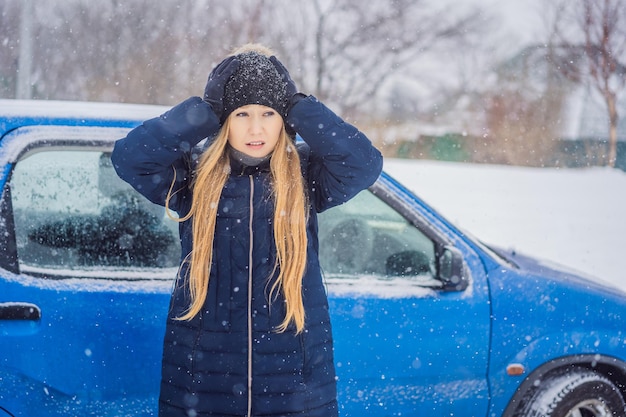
<point x="9" y="47"/>
<point x="604" y="25"/>
<point x="601" y="26"/>
<point x="345" y="50"/>
<point x="142" y="51"/>
<point x="524" y="110"/>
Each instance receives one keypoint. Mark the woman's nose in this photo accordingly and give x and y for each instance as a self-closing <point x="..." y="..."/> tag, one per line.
<point x="256" y="124"/>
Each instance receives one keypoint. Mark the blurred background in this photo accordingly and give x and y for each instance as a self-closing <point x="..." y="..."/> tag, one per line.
<point x="530" y="83"/>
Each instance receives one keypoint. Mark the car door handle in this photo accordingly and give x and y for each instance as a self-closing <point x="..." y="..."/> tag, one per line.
<point x="19" y="311"/>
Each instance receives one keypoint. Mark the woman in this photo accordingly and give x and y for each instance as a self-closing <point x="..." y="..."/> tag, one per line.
<point x="248" y="332"/>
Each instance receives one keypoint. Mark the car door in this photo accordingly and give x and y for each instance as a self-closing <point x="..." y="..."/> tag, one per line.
<point x="83" y="298"/>
<point x="404" y="346"/>
<point x="87" y="268"/>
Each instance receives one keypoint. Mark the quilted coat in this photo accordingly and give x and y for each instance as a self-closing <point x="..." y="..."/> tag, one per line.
<point x="229" y="360"/>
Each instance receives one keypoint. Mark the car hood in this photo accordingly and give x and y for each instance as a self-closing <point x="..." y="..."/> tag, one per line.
<point x="542" y="311"/>
<point x="555" y="271"/>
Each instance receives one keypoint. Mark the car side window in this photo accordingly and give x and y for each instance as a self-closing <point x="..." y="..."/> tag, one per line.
<point x="72" y="212"/>
<point x="366" y="236"/>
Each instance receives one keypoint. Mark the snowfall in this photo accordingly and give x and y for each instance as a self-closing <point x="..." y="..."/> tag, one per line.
<point x="574" y="217"/>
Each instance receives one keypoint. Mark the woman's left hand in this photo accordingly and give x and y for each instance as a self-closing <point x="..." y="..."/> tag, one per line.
<point x="292" y="90"/>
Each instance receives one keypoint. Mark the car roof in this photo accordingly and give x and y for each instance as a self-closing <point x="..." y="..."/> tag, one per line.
<point x="18" y="113"/>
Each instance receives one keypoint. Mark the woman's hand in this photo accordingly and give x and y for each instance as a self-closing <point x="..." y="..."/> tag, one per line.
<point x="292" y="91"/>
<point x="214" y="90"/>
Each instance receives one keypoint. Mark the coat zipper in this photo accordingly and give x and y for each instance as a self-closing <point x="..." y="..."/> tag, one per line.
<point x="251" y="234"/>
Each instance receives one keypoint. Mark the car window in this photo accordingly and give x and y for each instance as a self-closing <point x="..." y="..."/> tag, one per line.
<point x="72" y="212"/>
<point x="366" y="236"/>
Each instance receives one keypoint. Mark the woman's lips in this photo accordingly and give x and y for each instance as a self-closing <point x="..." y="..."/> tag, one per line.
<point x="255" y="144"/>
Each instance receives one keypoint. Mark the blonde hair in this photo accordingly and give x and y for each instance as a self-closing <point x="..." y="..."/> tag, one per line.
<point x="290" y="220"/>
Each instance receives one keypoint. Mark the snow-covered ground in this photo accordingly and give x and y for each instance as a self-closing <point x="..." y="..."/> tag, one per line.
<point x="576" y="217"/>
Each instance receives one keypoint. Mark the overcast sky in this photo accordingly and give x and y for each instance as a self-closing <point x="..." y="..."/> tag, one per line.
<point x="521" y="19"/>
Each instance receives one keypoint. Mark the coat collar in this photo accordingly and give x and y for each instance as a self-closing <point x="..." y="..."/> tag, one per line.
<point x="240" y="168"/>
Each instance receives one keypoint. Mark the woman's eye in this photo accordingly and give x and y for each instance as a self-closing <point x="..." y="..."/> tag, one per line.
<point x="269" y="113"/>
<point x="241" y="114"/>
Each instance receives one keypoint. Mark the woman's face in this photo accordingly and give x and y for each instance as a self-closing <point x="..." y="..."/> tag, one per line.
<point x="254" y="129"/>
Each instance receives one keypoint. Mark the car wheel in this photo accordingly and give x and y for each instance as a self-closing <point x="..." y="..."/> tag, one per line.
<point x="577" y="393"/>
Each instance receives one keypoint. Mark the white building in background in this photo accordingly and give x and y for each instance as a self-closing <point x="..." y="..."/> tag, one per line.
<point x="585" y="115"/>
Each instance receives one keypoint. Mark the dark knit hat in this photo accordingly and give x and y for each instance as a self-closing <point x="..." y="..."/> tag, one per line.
<point x="256" y="81"/>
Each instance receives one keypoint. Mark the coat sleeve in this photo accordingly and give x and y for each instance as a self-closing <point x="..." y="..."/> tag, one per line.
<point x="342" y="160"/>
<point x="150" y="154"/>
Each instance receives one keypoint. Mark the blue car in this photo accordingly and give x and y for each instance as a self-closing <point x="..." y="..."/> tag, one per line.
<point x="427" y="320"/>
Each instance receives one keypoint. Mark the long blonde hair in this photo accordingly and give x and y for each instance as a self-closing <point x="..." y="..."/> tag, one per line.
<point x="290" y="222"/>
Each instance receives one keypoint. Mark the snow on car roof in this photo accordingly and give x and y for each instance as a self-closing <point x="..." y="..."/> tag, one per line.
<point x="77" y="109"/>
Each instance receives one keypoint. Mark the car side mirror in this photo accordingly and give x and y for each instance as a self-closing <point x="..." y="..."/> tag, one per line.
<point x="452" y="270"/>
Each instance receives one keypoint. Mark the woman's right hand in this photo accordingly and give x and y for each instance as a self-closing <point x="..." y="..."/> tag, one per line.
<point x="214" y="90"/>
<point x="293" y="96"/>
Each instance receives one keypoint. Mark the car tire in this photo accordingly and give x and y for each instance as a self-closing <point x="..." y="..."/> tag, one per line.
<point x="578" y="392"/>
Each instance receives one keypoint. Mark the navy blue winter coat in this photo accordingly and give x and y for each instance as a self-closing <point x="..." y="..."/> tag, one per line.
<point x="229" y="360"/>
